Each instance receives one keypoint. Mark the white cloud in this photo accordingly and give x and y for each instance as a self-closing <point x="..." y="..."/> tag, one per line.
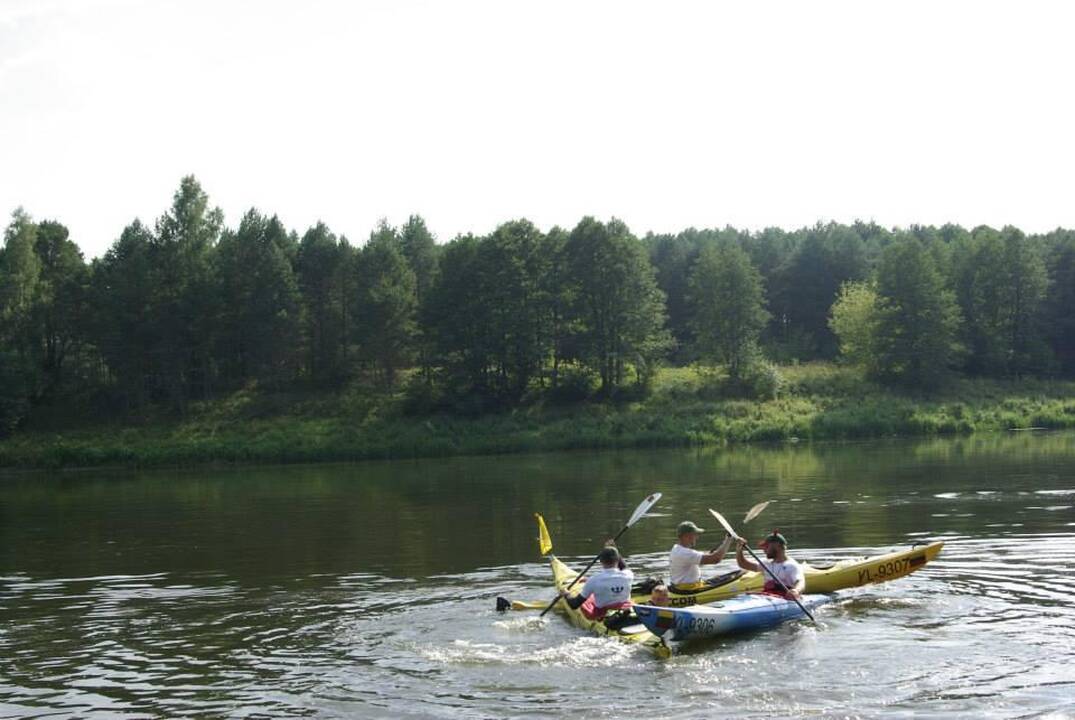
<point x="472" y="113"/>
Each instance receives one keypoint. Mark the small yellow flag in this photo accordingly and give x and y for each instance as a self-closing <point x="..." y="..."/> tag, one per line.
<point x="544" y="541"/>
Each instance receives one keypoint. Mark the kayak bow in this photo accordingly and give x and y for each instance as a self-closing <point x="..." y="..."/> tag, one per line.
<point x="635" y="633"/>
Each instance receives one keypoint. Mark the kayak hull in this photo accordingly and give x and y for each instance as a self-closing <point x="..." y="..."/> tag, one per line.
<point x="737" y="615"/>
<point x="854" y="572"/>
<point x="635" y="634"/>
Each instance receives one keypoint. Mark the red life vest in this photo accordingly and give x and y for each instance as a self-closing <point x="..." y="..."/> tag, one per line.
<point x="592" y="612"/>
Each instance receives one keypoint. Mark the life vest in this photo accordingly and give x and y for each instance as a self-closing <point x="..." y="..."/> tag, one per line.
<point x="771" y="588"/>
<point x="592" y="612"/>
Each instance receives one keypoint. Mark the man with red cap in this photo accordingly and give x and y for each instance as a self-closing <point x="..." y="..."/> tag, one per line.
<point x="784" y="568"/>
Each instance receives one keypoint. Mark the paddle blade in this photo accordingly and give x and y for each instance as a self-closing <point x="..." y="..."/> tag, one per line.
<point x="544" y="541"/>
<point x="723" y="523"/>
<point x="755" y="511"/>
<point x="643" y="508"/>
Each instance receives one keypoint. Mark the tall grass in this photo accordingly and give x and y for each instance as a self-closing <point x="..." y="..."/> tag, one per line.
<point x="818" y="401"/>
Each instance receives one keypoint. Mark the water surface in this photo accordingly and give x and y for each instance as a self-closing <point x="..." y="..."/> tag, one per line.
<point x="367" y="590"/>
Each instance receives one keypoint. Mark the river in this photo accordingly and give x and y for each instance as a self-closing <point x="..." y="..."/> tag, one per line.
<point x="367" y="590"/>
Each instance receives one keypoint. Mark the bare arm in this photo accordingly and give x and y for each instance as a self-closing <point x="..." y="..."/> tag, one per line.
<point x="742" y="561"/>
<point x="714" y="557"/>
<point x="798" y="588"/>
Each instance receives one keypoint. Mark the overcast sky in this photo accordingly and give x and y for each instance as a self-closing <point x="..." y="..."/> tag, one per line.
<point x="664" y="114"/>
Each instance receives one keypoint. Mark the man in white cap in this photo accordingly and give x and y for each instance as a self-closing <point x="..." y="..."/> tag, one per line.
<point x="684" y="562"/>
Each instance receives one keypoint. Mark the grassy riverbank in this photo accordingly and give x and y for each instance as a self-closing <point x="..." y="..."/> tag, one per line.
<point x="818" y="401"/>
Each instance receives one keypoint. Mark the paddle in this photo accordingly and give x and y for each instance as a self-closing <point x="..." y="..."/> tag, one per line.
<point x="546" y="545"/>
<point x="728" y="529"/>
<point x="755" y="511"/>
<point x="505" y="604"/>
<point x="751" y="514"/>
<point x="641" y="510"/>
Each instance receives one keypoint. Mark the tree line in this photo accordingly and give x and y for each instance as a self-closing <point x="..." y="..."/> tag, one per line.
<point x="188" y="308"/>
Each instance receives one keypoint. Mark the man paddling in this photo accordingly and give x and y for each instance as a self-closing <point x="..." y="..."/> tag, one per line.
<point x="610" y="587"/>
<point x="684" y="562"/>
<point x="786" y="569"/>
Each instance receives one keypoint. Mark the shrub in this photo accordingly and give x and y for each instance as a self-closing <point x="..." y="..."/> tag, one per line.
<point x="574" y="385"/>
<point x="764" y="380"/>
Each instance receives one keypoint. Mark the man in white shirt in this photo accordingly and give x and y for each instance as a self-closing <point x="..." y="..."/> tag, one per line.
<point x="610" y="586"/>
<point x="684" y="562"/>
<point x="784" y="568"/>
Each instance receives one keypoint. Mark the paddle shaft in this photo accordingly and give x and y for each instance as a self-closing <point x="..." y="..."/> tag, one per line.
<point x="778" y="582"/>
<point x="585" y="570"/>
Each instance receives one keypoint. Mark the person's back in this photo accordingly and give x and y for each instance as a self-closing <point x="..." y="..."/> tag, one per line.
<point x="610" y="587"/>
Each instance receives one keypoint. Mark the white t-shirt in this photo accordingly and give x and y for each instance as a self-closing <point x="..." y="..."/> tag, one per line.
<point x="788" y="572"/>
<point x="684" y="565"/>
<point x="609" y="586"/>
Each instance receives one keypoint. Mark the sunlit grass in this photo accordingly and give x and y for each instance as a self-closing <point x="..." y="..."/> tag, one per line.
<point x="817" y="401"/>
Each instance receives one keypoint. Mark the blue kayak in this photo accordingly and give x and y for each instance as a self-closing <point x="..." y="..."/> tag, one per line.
<point x="739" y="614"/>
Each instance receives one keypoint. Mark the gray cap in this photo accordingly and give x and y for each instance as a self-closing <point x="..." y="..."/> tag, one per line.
<point x="688" y="527"/>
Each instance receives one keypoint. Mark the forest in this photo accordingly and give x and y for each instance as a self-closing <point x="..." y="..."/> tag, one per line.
<point x="186" y="309"/>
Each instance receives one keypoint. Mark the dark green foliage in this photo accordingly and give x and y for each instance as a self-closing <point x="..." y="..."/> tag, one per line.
<point x="559" y="295"/>
<point x="183" y="306"/>
<point x="1001" y="280"/>
<point x="1059" y="309"/>
<point x="124" y="327"/>
<point x="672" y="257"/>
<point x="620" y="307"/>
<point x="494" y="314"/>
<point x="20" y="274"/>
<point x="15" y="385"/>
<point x="805" y="287"/>
<point x="511" y="263"/>
<point x="323" y="267"/>
<point x="456" y="317"/>
<point x="386" y="306"/>
<point x="184" y="310"/>
<point x="259" y="320"/>
<point x="420" y="249"/>
<point x="728" y="308"/>
<point x="44" y="316"/>
<point x="157" y="306"/>
<point x="918" y="320"/>
<point x="61" y="308"/>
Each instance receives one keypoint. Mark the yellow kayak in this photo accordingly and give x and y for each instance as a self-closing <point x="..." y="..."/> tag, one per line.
<point x="636" y="634"/>
<point x="853" y="572"/>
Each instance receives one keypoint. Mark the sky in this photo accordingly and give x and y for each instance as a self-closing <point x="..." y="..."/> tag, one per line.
<point x="664" y="114"/>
